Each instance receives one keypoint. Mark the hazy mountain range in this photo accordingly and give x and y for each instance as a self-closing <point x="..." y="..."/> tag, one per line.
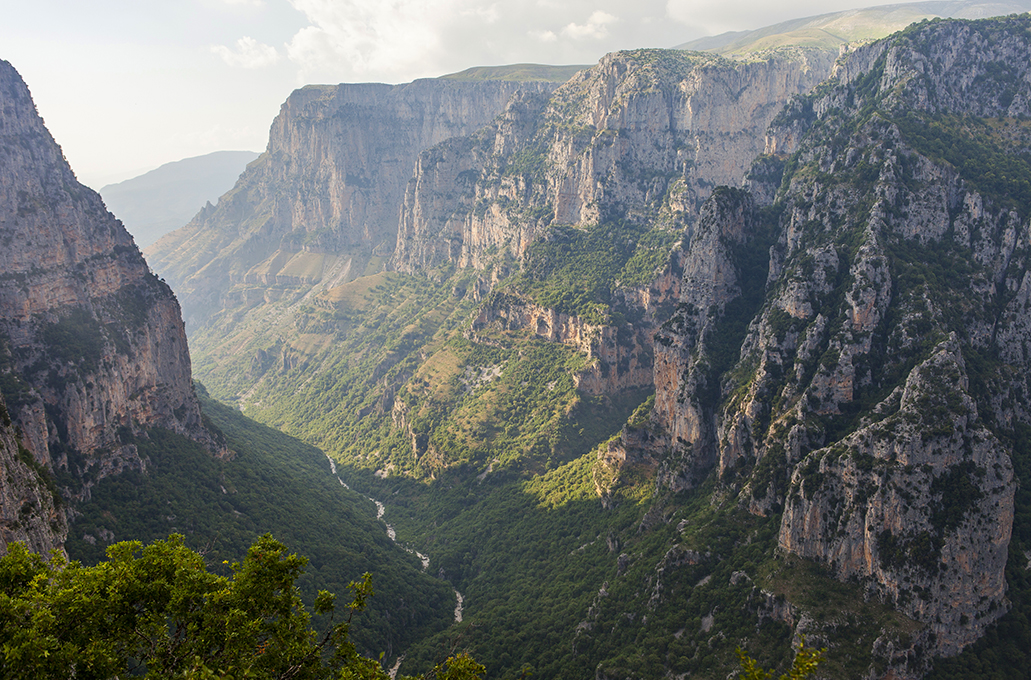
<point x="165" y="198"/>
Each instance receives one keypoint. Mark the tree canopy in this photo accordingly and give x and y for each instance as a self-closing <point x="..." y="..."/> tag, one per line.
<point x="158" y="611"/>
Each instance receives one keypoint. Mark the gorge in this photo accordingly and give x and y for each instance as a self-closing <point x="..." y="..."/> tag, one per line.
<point x="677" y="355"/>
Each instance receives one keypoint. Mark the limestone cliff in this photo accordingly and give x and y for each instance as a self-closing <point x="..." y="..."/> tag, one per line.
<point x="30" y="507"/>
<point x="920" y="503"/>
<point x="620" y="356"/>
<point x="641" y="138"/>
<point x="882" y="361"/>
<point x="92" y="345"/>
<point x="643" y="134"/>
<point x="324" y="197"/>
<point x="694" y="347"/>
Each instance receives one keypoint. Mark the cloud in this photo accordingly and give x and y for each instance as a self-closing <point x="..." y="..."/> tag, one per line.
<point x="398" y="40"/>
<point x="489" y="14"/>
<point x="368" y="36"/>
<point x="248" y="53"/>
<point x="544" y="36"/>
<point x="595" y="28"/>
<point x="250" y="3"/>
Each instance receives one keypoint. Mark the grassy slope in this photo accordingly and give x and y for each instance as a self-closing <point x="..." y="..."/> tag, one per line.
<point x="830" y="31"/>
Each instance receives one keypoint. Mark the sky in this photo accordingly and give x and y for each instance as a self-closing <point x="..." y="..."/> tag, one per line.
<point x="127" y="85"/>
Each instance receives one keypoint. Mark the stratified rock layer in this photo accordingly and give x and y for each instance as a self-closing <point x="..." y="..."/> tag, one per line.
<point x="642" y="134"/>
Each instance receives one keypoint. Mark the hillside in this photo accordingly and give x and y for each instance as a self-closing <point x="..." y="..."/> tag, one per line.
<point x="519" y="72"/>
<point x="273" y="484"/>
<point x="168" y="197"/>
<point x="831" y="31"/>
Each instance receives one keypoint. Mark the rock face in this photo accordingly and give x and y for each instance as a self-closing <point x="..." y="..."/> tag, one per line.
<point x="620" y="355"/>
<point x="92" y="345"/>
<point x="324" y="197"/>
<point x="691" y="348"/>
<point x="30" y="507"/>
<point x="877" y="327"/>
<point x="642" y="134"/>
<point x="920" y="502"/>
<point x="642" y="137"/>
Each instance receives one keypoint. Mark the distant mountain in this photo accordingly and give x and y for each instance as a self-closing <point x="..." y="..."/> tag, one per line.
<point x="165" y="199"/>
<point x="830" y="31"/>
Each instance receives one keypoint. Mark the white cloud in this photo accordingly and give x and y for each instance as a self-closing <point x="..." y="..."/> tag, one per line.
<point x="248" y="53"/>
<point x="544" y="36"/>
<point x="368" y="36"/>
<point x="250" y="3"/>
<point x="595" y="28"/>
<point x="489" y="14"/>
<point x="398" y="40"/>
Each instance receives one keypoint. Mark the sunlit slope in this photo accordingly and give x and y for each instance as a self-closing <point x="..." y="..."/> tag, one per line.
<point x="831" y="31"/>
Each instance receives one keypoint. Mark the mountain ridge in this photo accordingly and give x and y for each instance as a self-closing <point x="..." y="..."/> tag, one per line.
<point x="93" y="345"/>
<point x="832" y="30"/>
<point x="166" y="198"/>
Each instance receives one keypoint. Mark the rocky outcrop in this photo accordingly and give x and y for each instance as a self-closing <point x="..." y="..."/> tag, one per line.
<point x="919" y="503"/>
<point x="31" y="509"/>
<point x="642" y="137"/>
<point x="324" y="197"/>
<point x="887" y="346"/>
<point x="643" y="134"/>
<point x="691" y="347"/>
<point x="92" y="345"/>
<point x="619" y="356"/>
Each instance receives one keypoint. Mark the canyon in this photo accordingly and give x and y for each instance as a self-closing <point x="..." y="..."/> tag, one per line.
<point x="676" y="355"/>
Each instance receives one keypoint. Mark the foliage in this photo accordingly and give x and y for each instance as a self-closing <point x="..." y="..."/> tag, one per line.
<point x="574" y="270"/>
<point x="158" y="611"/>
<point x="804" y="665"/>
<point x="982" y="156"/>
<point x="485" y="456"/>
<point x="77" y="338"/>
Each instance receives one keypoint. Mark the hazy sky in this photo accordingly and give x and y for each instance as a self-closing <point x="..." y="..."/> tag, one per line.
<point x="126" y="85"/>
